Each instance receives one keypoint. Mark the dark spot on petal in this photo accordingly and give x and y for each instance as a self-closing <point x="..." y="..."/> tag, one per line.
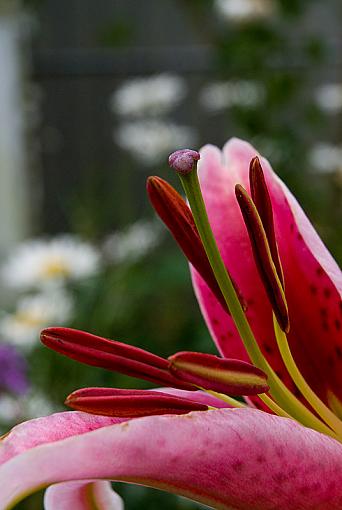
<point x="292" y="472"/>
<point x="337" y="324"/>
<point x="268" y="348"/>
<point x="215" y="322"/>
<point x="319" y="271"/>
<point x="279" y="451"/>
<point x="280" y="477"/>
<point x="323" y="312"/>
<point x="250" y="301"/>
<point x="237" y="466"/>
<point x="327" y="293"/>
<point x="229" y="334"/>
<point x="325" y="325"/>
<point x="279" y="374"/>
<point x="292" y="227"/>
<point x="260" y="459"/>
<point x="313" y="289"/>
<point x="299" y="237"/>
<point x="338" y="351"/>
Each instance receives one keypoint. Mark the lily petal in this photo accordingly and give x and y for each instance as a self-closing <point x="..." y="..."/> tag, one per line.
<point x="313" y="281"/>
<point x="48" y="429"/>
<point x="82" y="495"/>
<point x="225" y="458"/>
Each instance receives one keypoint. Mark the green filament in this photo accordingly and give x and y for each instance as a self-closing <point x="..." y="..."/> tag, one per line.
<point x="322" y="410"/>
<point x="229" y="400"/>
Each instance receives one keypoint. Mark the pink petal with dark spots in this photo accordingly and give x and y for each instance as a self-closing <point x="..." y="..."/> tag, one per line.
<point x="312" y="278"/>
<point x="239" y="459"/>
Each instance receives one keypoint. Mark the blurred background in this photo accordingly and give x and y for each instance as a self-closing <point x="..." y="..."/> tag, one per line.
<point x="93" y="98"/>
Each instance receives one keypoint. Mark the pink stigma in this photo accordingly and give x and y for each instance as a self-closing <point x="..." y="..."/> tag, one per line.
<point x="183" y="161"/>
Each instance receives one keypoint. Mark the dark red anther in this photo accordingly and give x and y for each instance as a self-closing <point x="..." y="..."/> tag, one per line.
<point x="223" y="375"/>
<point x="129" y="403"/>
<point x="263" y="257"/>
<point x="177" y="216"/>
<point x="111" y="355"/>
<point x="262" y="202"/>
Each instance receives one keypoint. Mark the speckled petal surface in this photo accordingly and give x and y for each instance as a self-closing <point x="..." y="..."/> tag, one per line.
<point x="228" y="459"/>
<point x="312" y="279"/>
<point x="48" y="429"/>
<point x="82" y="496"/>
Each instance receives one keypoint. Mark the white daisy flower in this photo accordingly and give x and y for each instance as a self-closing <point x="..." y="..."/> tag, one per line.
<point x="151" y="141"/>
<point x="326" y="158"/>
<point x="133" y="243"/>
<point x="238" y="11"/>
<point x="38" y="263"/>
<point x="219" y="95"/>
<point x="329" y="97"/>
<point x="154" y="95"/>
<point x="33" y="313"/>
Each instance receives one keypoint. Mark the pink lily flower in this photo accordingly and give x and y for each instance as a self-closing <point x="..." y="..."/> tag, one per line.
<point x="313" y="281"/>
<point x="226" y="458"/>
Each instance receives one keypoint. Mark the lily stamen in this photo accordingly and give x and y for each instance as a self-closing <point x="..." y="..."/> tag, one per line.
<point x="280" y="393"/>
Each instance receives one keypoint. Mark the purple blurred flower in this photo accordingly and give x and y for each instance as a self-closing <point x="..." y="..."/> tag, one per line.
<point x="13" y="370"/>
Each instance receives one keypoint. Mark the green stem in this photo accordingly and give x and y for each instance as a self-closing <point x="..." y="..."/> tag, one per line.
<point x="279" y="391"/>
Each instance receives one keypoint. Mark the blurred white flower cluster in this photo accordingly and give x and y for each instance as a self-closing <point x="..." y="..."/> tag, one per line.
<point x="42" y="273"/>
<point x="241" y="11"/>
<point x="326" y="158"/>
<point x="39" y="270"/>
<point x="220" y="95"/>
<point x="329" y="97"/>
<point x="150" y="141"/>
<point x="133" y="243"/>
<point x="156" y="95"/>
<point x="33" y="313"/>
<point x="145" y="130"/>
<point x="40" y="263"/>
